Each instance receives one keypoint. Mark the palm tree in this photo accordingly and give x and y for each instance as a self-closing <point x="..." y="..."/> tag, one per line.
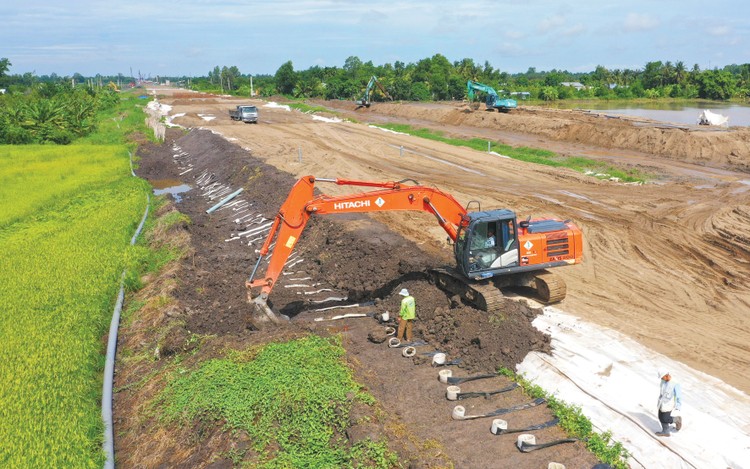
<point x="667" y="73"/>
<point x="680" y="71"/>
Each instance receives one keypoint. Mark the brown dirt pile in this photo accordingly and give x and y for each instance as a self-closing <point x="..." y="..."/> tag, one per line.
<point x="693" y="144"/>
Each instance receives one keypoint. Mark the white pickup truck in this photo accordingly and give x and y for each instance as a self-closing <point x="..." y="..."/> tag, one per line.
<point x="245" y="113"/>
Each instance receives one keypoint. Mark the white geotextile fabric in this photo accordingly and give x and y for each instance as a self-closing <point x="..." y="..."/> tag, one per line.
<point x="330" y="120"/>
<point x="274" y="105"/>
<point x="711" y="118"/>
<point x="613" y="379"/>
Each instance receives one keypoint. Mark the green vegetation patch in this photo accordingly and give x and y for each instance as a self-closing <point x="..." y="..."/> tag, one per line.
<point x="308" y="108"/>
<point x="576" y="424"/>
<point x="67" y="216"/>
<point x="117" y="123"/>
<point x="34" y="177"/>
<point x="293" y="399"/>
<point x="530" y="155"/>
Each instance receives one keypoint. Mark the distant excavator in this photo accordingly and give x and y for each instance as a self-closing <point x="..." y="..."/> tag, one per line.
<point x="492" y="100"/>
<point x="492" y="248"/>
<point x="365" y="100"/>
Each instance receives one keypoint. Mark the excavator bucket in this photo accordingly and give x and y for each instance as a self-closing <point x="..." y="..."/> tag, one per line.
<point x="261" y="315"/>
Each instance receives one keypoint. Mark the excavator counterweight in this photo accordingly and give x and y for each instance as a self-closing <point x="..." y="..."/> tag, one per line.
<point x="492" y="249"/>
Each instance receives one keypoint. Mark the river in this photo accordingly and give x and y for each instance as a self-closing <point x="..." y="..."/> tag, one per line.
<point x="680" y="113"/>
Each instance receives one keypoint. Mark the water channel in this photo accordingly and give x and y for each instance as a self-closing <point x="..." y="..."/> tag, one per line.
<point x="174" y="187"/>
<point x="679" y="113"/>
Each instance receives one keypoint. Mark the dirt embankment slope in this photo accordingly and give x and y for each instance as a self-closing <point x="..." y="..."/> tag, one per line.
<point x="712" y="146"/>
<point x="666" y="263"/>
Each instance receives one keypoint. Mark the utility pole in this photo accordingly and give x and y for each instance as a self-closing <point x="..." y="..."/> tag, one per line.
<point x="251" y="87"/>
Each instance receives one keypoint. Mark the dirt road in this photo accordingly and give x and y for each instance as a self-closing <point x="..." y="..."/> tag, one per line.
<point x="666" y="263"/>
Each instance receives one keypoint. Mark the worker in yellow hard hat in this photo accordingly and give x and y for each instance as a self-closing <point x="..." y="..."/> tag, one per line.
<point x="406" y="315"/>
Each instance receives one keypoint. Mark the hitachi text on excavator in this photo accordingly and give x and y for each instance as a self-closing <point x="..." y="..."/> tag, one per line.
<point x="492" y="248"/>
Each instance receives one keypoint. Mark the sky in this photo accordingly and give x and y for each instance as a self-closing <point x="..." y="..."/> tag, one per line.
<point x="191" y="37"/>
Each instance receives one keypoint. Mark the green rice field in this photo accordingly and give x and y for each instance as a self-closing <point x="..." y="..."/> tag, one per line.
<point x="67" y="214"/>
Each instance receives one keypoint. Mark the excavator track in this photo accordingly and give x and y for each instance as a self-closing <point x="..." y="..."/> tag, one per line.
<point x="483" y="295"/>
<point x="550" y="287"/>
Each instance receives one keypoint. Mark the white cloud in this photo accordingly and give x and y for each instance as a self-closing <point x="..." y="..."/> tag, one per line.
<point x="719" y="30"/>
<point x="574" y="30"/>
<point x="373" y="16"/>
<point x="551" y="23"/>
<point x="639" y="22"/>
<point x="512" y="49"/>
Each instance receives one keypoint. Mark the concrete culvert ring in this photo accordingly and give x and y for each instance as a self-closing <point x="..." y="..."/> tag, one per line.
<point x="451" y="392"/>
<point x="444" y="375"/>
<point x="458" y="412"/>
<point x="393" y="342"/>
<point x="527" y="438"/>
<point x="438" y="359"/>
<point x="498" y="425"/>
<point x="390" y="330"/>
<point x="409" y="352"/>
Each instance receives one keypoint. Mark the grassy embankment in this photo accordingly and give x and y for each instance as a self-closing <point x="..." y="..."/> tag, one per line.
<point x="293" y="400"/>
<point x="309" y="108"/>
<point x="576" y="424"/>
<point x="67" y="214"/>
<point x="530" y="155"/>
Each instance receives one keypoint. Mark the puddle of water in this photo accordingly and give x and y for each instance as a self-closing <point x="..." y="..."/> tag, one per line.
<point x="174" y="187"/>
<point x="164" y="183"/>
<point x="682" y="113"/>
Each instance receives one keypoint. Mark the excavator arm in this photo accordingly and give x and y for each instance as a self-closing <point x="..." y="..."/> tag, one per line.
<point x="473" y="86"/>
<point x="365" y="101"/>
<point x="382" y="90"/>
<point x="301" y="204"/>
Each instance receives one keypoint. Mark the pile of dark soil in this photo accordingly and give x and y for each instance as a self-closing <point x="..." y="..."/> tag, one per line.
<point x="364" y="259"/>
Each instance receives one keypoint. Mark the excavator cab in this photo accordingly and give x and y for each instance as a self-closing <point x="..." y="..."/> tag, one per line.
<point x="488" y="244"/>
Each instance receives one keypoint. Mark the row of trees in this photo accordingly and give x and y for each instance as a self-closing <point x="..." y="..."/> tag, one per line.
<point x="437" y="78"/>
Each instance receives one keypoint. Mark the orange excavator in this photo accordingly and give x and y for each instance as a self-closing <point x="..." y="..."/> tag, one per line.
<point x="492" y="248"/>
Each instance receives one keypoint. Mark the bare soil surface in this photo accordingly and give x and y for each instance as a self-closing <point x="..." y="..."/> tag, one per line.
<point x="666" y="263"/>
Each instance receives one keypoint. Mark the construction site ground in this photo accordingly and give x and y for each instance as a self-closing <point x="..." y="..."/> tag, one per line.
<point x="665" y="263"/>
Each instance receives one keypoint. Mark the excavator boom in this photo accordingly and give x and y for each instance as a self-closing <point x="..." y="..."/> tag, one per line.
<point x="365" y="101"/>
<point x="302" y="203"/>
